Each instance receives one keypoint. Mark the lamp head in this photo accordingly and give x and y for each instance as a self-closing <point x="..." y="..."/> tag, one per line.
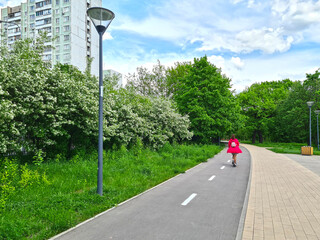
<point x="101" y="18"/>
<point x="317" y="111"/>
<point x="310" y="103"/>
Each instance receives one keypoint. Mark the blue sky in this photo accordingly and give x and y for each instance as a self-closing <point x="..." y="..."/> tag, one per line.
<point x="250" y="40"/>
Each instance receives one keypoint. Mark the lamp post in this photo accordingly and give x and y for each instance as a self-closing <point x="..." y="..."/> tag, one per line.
<point x="317" y="112"/>
<point x="101" y="19"/>
<point x="310" y="103"/>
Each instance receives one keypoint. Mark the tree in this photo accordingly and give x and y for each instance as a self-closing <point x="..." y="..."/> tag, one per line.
<point x="154" y="120"/>
<point x="291" y="123"/>
<point x="259" y="102"/>
<point x="47" y="109"/>
<point x="203" y="93"/>
<point x="149" y="83"/>
<point x="291" y="120"/>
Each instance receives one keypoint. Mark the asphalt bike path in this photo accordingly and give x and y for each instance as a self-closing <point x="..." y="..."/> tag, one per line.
<point x="206" y="202"/>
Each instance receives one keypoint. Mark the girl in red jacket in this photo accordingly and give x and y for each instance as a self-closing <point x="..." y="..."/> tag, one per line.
<point x="234" y="149"/>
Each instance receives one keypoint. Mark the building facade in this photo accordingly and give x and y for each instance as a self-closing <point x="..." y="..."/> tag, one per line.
<point x="74" y="38"/>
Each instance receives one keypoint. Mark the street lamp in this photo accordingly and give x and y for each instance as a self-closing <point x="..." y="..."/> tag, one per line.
<point x="317" y="112"/>
<point x="101" y="19"/>
<point x="1" y="21"/>
<point x="310" y="103"/>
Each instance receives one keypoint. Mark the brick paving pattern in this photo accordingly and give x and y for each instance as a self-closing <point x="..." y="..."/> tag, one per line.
<point x="284" y="200"/>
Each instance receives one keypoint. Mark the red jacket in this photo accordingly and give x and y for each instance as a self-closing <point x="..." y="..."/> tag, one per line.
<point x="235" y="149"/>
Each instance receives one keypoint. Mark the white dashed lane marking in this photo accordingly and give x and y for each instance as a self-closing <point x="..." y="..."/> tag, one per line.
<point x="192" y="196"/>
<point x="210" y="179"/>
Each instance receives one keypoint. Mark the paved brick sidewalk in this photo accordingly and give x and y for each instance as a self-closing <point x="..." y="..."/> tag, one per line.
<point x="284" y="200"/>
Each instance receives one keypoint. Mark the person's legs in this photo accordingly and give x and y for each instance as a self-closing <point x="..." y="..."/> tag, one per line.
<point x="235" y="158"/>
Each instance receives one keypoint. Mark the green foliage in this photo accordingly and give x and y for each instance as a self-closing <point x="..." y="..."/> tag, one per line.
<point x="289" y="148"/>
<point x="15" y="177"/>
<point x="54" y="111"/>
<point x="38" y="158"/>
<point x="291" y="122"/>
<point x="8" y="177"/>
<point x="40" y="211"/>
<point x="259" y="103"/>
<point x="203" y="93"/>
<point x="154" y="120"/>
<point x="149" y="83"/>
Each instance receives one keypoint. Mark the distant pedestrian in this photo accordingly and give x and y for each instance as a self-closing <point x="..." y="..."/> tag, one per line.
<point x="234" y="149"/>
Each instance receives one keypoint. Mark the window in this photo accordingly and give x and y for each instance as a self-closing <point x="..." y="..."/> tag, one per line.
<point x="57" y="29"/>
<point x="57" y="48"/>
<point x="66" y="9"/>
<point x="47" y="57"/>
<point x="57" y="11"/>
<point x="58" y="39"/>
<point x="57" y="2"/>
<point x="66" y="37"/>
<point x="32" y="17"/>
<point x="43" y="3"/>
<point x="66" y="18"/>
<point x="47" y="29"/>
<point x="66" y="28"/>
<point x="31" y="8"/>
<point x="66" y="47"/>
<point x="43" y="12"/>
<point x="66" y="1"/>
<point x="66" y="56"/>
<point x="57" y="57"/>
<point x="31" y="1"/>
<point x="39" y="4"/>
<point x="57" y="20"/>
<point x="43" y="21"/>
<point x="32" y="25"/>
<point x="47" y="49"/>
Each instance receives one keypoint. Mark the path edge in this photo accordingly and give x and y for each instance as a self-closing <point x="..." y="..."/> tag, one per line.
<point x="245" y="203"/>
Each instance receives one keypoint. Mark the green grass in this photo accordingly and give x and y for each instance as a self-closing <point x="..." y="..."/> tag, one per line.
<point x="41" y="211"/>
<point x="291" y="148"/>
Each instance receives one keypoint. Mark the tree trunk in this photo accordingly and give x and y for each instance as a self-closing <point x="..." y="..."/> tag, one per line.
<point x="260" y="137"/>
<point x="254" y="137"/>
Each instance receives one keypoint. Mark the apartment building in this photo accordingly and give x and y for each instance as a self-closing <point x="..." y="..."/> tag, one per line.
<point x="74" y="36"/>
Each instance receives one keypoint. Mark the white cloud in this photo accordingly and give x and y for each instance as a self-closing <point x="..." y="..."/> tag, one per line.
<point x="288" y="65"/>
<point x="237" y="62"/>
<point x="269" y="31"/>
<point x="107" y="36"/>
<point x="218" y="61"/>
<point x="11" y="3"/>
<point x="297" y="15"/>
<point x="267" y="40"/>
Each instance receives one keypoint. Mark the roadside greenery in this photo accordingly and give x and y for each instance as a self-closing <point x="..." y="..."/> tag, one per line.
<point x="51" y="197"/>
<point x="199" y="90"/>
<point x="291" y="148"/>
<point x="55" y="110"/>
<point x="277" y="111"/>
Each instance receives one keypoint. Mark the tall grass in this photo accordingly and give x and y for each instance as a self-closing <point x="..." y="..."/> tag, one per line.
<point x="69" y="197"/>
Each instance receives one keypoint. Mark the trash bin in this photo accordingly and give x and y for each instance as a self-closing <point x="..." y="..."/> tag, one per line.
<point x="306" y="150"/>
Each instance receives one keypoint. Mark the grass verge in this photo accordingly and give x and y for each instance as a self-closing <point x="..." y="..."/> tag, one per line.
<point x="40" y="211"/>
<point x="291" y="148"/>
